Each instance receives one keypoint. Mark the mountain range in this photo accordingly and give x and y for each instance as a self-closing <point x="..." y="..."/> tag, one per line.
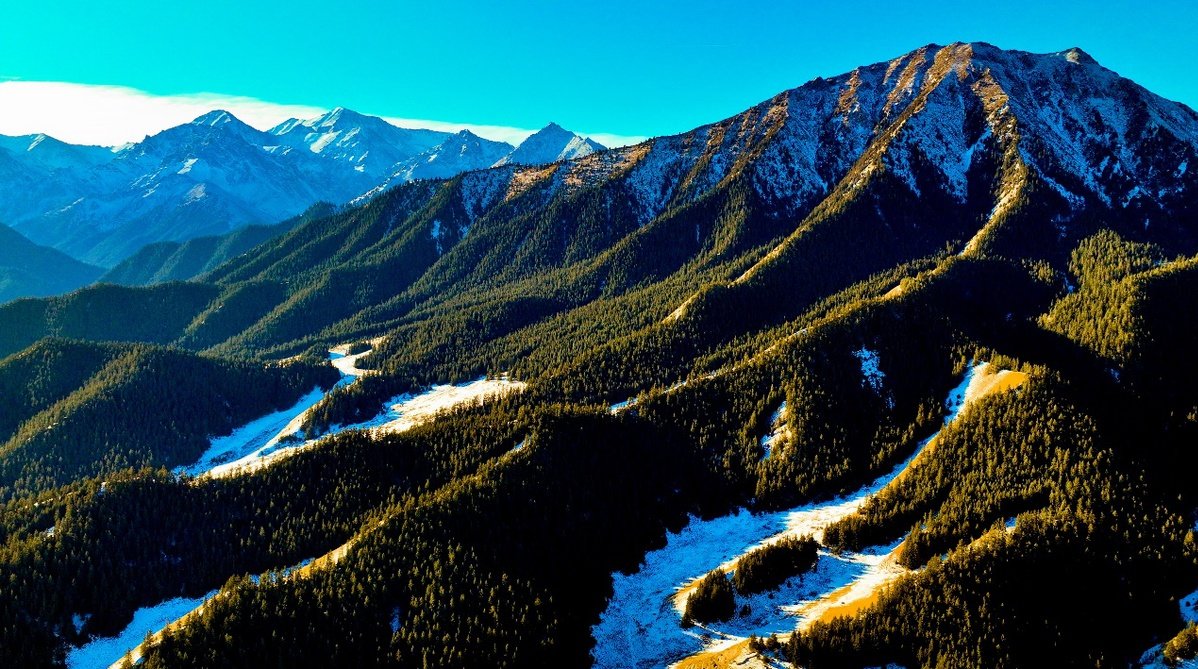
<point x="892" y="368"/>
<point x="217" y="174"/>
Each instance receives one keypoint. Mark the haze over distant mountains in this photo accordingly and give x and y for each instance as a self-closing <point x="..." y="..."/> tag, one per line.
<point x="217" y="174"/>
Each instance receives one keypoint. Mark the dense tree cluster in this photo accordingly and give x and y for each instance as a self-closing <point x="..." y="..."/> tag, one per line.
<point x="712" y="600"/>
<point x="1182" y="647"/>
<point x="768" y="567"/>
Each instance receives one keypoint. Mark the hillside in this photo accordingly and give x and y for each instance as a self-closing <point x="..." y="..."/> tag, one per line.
<point x="164" y="262"/>
<point x="935" y="314"/>
<point x="80" y="410"/>
<point x="29" y="270"/>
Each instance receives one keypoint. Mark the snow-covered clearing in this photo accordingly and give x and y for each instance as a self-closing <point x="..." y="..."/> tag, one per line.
<point x="252" y="439"/>
<point x="108" y="651"/>
<point x="278" y="435"/>
<point x="632" y="401"/>
<point x="408" y="411"/>
<point x="1154" y="658"/>
<point x="111" y="651"/>
<point x="251" y="443"/>
<point x="347" y="363"/>
<point x="640" y="627"/>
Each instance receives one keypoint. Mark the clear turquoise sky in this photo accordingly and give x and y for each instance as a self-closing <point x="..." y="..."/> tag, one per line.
<point x="631" y="68"/>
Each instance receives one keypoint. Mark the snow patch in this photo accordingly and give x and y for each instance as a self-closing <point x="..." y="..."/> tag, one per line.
<point x="250" y="441"/>
<point x="870" y="371"/>
<point x="407" y="411"/>
<point x="106" y="651"/>
<point x="777" y="434"/>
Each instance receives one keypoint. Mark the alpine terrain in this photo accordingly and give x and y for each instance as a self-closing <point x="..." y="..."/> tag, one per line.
<point x="895" y="368"/>
<point x="216" y="175"/>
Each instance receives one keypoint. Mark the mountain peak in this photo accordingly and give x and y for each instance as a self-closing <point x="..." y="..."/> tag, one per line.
<point x="339" y="115"/>
<point x="549" y="145"/>
<point x="1076" y="55"/>
<point x="214" y="118"/>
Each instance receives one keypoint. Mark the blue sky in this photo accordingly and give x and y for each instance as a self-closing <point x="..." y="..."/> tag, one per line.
<point x="629" y="69"/>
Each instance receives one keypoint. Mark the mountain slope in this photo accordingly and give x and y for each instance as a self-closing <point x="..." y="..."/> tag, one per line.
<point x="29" y="270"/>
<point x="182" y="261"/>
<point x="103" y="426"/>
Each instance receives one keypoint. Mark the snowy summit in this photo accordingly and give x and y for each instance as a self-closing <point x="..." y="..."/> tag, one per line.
<point x="549" y="145"/>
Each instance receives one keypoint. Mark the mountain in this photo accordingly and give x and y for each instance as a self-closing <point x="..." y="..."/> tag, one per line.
<point x="29" y="270"/>
<point x="212" y="176"/>
<point x="549" y="145"/>
<point x="936" y="313"/>
<point x="204" y="177"/>
<point x="48" y="153"/>
<point x="366" y="143"/>
<point x="461" y="152"/>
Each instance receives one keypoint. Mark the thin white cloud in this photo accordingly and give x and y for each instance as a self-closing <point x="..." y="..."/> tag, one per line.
<point x="114" y="115"/>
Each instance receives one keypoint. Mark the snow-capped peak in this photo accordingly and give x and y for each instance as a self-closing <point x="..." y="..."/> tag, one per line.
<point x="460" y="152"/>
<point x="1078" y="57"/>
<point x="371" y="145"/>
<point x="549" y="145"/>
<point x="214" y="118"/>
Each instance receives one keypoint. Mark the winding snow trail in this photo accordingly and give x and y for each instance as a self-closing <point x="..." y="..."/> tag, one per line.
<point x="254" y="441"/>
<point x="640" y="627"/>
<point x="270" y="438"/>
